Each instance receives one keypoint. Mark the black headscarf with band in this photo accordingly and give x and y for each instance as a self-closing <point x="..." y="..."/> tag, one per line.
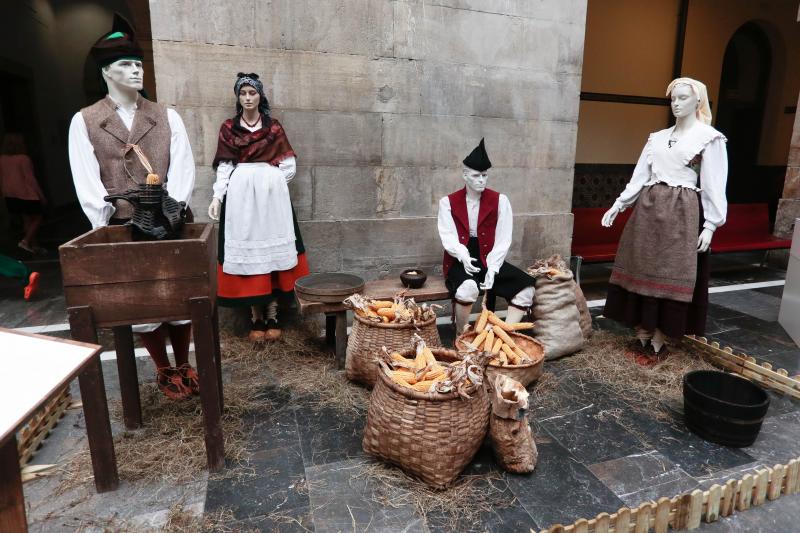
<point x="252" y="80"/>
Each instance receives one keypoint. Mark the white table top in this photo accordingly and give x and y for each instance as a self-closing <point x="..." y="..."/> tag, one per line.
<point x="32" y="369"/>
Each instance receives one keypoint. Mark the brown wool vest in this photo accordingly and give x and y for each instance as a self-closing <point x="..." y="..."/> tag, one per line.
<point x="109" y="136"/>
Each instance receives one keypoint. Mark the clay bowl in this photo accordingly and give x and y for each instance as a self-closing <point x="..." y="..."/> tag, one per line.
<point x="415" y="280"/>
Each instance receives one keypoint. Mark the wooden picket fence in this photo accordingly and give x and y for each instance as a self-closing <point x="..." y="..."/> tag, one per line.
<point x="777" y="380"/>
<point x="30" y="437"/>
<point x="688" y="510"/>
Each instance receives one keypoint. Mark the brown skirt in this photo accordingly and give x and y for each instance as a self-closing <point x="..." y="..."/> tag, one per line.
<point x="659" y="280"/>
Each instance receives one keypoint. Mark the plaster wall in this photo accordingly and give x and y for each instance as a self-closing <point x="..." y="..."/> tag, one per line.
<point x="629" y="50"/>
<point x="381" y="100"/>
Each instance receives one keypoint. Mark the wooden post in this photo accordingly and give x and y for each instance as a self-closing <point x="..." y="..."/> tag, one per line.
<point x="623" y="521"/>
<point x="791" y="476"/>
<point x="95" y="405"/>
<point x="663" y="508"/>
<point x="341" y="338"/>
<point x="12" y="500"/>
<point x="330" y="329"/>
<point x="643" y="518"/>
<point x="602" y="524"/>
<point x="128" y="378"/>
<point x="217" y="355"/>
<point x="681" y="512"/>
<point x="745" y="493"/>
<point x="201" y="312"/>
<point x="760" y="493"/>
<point x="581" y="526"/>
<point x="776" y="482"/>
<point x="695" y="509"/>
<point x="714" y="496"/>
<point x="728" y="498"/>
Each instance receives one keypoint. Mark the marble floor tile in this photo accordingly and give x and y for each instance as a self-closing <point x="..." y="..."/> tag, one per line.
<point x="277" y="484"/>
<point x="750" y="302"/>
<point x="343" y="499"/>
<point x="779" y="439"/>
<point x="561" y="489"/>
<point x="296" y="520"/>
<point x="638" y="472"/>
<point x="328" y="435"/>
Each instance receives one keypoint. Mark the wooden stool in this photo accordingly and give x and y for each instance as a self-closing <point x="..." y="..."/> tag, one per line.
<point x="112" y="281"/>
<point x="384" y="289"/>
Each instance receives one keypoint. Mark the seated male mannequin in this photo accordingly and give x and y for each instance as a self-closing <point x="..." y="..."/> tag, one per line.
<point x="475" y="225"/>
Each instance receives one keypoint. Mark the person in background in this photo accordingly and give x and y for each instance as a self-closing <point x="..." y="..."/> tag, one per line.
<point x="21" y="190"/>
<point x="11" y="268"/>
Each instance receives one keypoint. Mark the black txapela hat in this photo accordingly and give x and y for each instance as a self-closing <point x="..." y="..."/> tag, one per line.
<point x="114" y="46"/>
<point x="478" y="159"/>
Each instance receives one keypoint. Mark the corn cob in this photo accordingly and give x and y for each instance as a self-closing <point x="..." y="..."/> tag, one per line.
<point x="497" y="344"/>
<point x="510" y="353"/>
<point x="381" y="304"/>
<point x="476" y="342"/>
<point x="481" y="324"/>
<point x="406" y="375"/>
<point x="497" y="321"/>
<point x="524" y="358"/>
<point x="387" y="312"/>
<point x="506" y="337"/>
<point x="519" y="325"/>
<point x="487" y="347"/>
<point x="423" y="386"/>
<point x="429" y="358"/>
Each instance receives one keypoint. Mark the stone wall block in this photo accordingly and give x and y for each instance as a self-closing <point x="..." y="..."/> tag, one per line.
<point x="292" y="80"/>
<point x="566" y="11"/>
<point x="329" y="138"/>
<point x="788" y="212"/>
<point x="202" y="193"/>
<point x="301" y="191"/>
<point x="344" y="193"/>
<point x="426" y="32"/>
<point x="510" y="143"/>
<point x="323" y="242"/>
<point x="230" y="22"/>
<point x="449" y="89"/>
<point x="340" y="26"/>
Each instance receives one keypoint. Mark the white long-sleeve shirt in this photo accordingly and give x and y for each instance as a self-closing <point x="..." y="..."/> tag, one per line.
<point x="660" y="163"/>
<point x="86" y="169"/>
<point x="502" y="235"/>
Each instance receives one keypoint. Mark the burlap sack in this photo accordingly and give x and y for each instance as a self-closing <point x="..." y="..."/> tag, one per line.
<point x="509" y="430"/>
<point x="583" y="312"/>
<point x="555" y="311"/>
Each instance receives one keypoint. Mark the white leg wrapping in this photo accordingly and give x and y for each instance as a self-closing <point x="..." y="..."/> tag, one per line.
<point x="467" y="291"/>
<point x="514" y="315"/>
<point x="643" y="335"/>
<point x="659" y="340"/>
<point x="524" y="298"/>
<point x="462" y="316"/>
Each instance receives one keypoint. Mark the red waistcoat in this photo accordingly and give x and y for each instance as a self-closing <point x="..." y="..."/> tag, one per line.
<point x="487" y="223"/>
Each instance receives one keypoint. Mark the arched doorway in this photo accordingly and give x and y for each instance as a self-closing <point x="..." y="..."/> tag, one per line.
<point x="740" y="112"/>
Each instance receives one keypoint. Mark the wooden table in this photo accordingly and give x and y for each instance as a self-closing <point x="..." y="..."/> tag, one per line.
<point x="384" y="289"/>
<point x="33" y="369"/>
<point x="111" y="281"/>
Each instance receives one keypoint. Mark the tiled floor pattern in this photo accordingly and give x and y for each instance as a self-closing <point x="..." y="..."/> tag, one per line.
<point x="306" y="458"/>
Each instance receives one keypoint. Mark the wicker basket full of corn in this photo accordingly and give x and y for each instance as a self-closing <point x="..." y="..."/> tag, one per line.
<point x="428" y="413"/>
<point x="513" y="354"/>
<point x="385" y="323"/>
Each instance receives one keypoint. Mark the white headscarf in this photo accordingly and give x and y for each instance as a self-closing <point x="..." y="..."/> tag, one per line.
<point x="699" y="88"/>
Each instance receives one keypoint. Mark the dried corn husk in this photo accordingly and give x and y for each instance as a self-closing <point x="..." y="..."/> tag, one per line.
<point x="400" y="310"/>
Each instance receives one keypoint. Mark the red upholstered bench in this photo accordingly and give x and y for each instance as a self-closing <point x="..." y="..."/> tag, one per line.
<point x="746" y="229"/>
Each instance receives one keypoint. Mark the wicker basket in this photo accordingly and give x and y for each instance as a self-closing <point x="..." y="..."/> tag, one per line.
<point x="367" y="338"/>
<point x="429" y="435"/>
<point x="525" y="374"/>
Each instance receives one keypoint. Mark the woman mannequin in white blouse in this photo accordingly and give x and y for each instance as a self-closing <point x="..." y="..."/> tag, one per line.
<point x="659" y="283"/>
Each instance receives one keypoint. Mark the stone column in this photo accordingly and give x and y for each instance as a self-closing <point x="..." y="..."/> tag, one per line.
<point x="789" y="205"/>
